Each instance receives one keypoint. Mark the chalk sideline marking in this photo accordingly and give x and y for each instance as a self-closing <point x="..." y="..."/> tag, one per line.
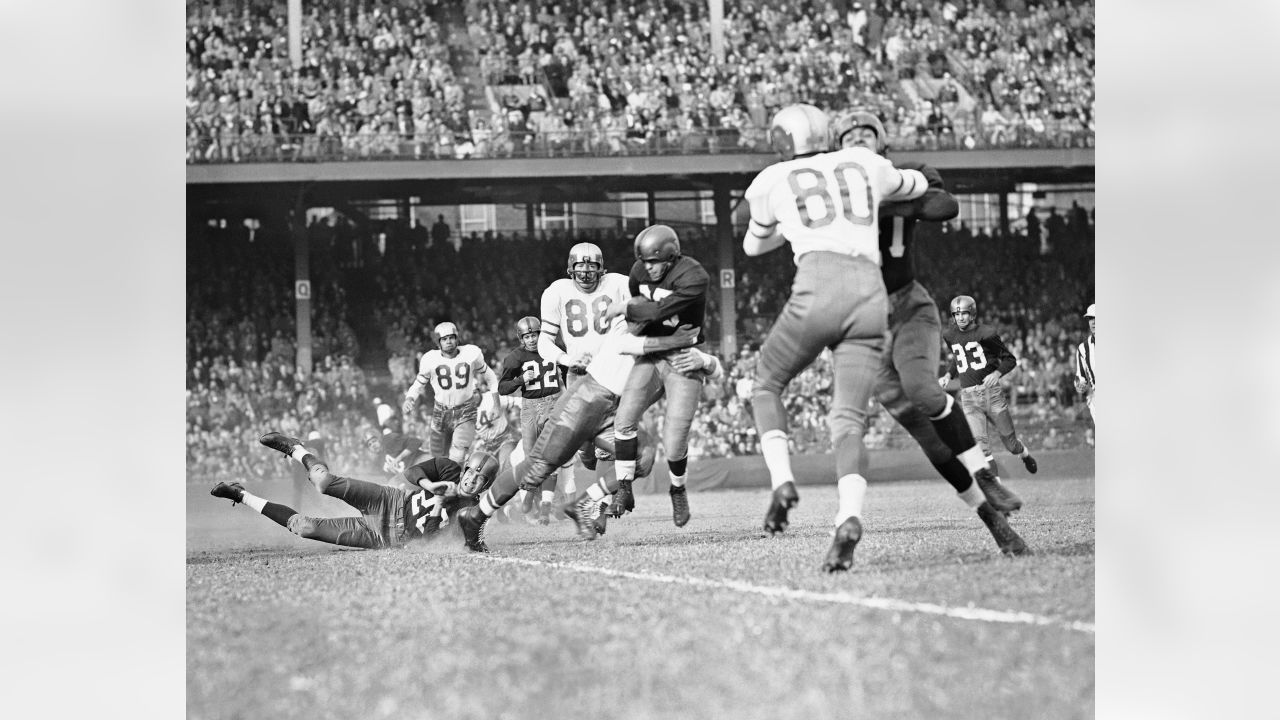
<point x="962" y="613"/>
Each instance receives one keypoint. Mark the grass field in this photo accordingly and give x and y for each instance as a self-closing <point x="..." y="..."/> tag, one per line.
<point x="714" y="620"/>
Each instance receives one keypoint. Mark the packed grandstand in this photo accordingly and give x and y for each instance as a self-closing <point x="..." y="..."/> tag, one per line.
<point x="483" y="78"/>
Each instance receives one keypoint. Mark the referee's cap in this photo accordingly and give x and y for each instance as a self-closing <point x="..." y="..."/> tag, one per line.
<point x="1092" y="312"/>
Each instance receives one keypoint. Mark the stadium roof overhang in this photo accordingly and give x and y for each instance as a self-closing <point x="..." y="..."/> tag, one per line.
<point x="585" y="179"/>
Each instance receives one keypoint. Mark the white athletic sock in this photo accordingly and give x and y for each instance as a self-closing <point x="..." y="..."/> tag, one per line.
<point x="973" y="459"/>
<point x="548" y="495"/>
<point x="973" y="497"/>
<point x="595" y="492"/>
<point x="567" y="481"/>
<point x="624" y="469"/>
<point x="773" y="445"/>
<point x="487" y="505"/>
<point x="253" y="501"/>
<point x="679" y="480"/>
<point x="300" y="452"/>
<point x="853" y="488"/>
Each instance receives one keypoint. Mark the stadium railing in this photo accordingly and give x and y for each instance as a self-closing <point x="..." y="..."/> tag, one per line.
<point x="250" y="148"/>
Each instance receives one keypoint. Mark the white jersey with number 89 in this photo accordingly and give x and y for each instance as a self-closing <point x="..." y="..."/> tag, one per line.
<point x="830" y="201"/>
<point x="580" y="315"/>
<point x="453" y="380"/>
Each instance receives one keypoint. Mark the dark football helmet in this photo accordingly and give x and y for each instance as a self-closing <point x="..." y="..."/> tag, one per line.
<point x="658" y="243"/>
<point x="478" y="473"/>
<point x="586" y="278"/>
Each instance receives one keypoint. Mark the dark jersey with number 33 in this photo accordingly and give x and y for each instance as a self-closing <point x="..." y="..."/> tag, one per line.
<point x="680" y="298"/>
<point x="977" y="353"/>
<point x="511" y="374"/>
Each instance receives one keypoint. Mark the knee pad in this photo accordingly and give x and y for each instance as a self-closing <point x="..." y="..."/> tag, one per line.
<point x="302" y="526"/>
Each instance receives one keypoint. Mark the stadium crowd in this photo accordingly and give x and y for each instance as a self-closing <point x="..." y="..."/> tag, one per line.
<point x="483" y="78"/>
<point x="378" y="290"/>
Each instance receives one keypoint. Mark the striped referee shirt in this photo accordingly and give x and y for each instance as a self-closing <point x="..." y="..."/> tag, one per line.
<point x="1086" y="352"/>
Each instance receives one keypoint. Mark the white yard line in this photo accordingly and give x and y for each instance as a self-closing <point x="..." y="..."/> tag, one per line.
<point x="962" y="613"/>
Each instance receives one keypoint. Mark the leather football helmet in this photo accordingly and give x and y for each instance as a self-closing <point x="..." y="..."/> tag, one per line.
<point x="964" y="303"/>
<point x="659" y="243"/>
<point x="478" y="473"/>
<point x="587" y="279"/>
<point x="800" y="129"/>
<point x="445" y="329"/>
<point x="524" y="326"/>
<point x="846" y="123"/>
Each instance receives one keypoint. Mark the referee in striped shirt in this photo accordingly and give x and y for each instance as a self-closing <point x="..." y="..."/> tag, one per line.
<point x="1086" y="354"/>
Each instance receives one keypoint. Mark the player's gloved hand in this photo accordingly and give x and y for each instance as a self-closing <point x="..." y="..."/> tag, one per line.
<point x="992" y="380"/>
<point x="943" y="381"/>
<point x="409" y="404"/>
<point x="530" y="375"/>
<point x="1081" y="386"/>
<point x="392" y="465"/>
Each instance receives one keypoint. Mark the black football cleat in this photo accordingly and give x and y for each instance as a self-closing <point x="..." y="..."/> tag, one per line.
<point x="602" y="518"/>
<point x="784" y="498"/>
<point x="472" y="522"/>
<point x="1000" y="497"/>
<point x="840" y="556"/>
<point x="1009" y="541"/>
<point x="679" y="505"/>
<point x="581" y="512"/>
<point x="279" y="442"/>
<point x="229" y="491"/>
<point x="624" y="501"/>
<point x="1030" y="462"/>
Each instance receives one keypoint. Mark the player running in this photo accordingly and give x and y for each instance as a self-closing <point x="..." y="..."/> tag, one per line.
<point x="456" y="374"/>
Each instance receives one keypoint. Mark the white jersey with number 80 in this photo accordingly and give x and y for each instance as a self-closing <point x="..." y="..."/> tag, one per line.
<point x="830" y="201"/>
<point x="580" y="315"/>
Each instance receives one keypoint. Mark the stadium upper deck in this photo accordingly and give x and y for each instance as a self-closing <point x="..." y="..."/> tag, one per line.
<point x="451" y="79"/>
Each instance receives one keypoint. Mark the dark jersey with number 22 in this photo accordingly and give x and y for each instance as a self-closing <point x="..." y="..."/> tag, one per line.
<point x="511" y="374"/>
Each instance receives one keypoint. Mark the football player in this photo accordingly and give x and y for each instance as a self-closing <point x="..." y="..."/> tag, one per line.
<point x="906" y="384"/>
<point x="825" y="203"/>
<point x="456" y="374"/>
<point x="389" y="516"/>
<point x="672" y="288"/>
<point x="980" y="358"/>
<point x="574" y="314"/>
<point x="539" y="383"/>
<point x="1086" y="381"/>
<point x="584" y="413"/>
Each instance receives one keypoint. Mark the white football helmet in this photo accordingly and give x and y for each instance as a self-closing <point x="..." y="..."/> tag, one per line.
<point x="800" y="129"/>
